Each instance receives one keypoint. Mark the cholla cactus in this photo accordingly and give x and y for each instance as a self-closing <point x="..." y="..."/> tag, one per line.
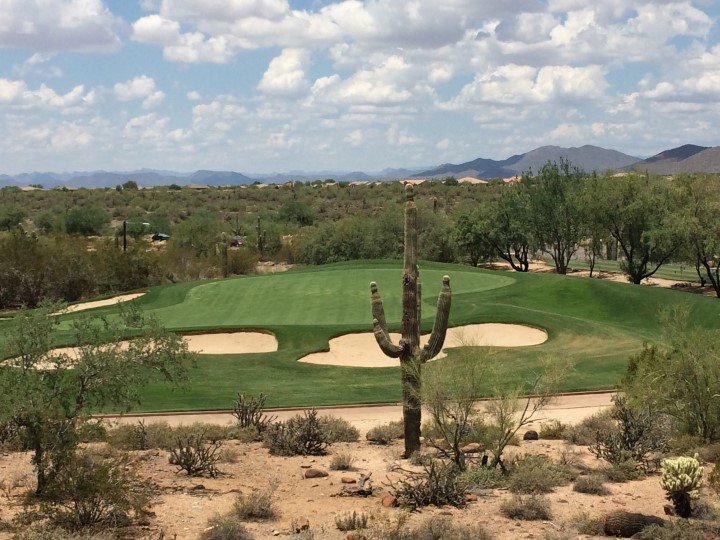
<point x="681" y="479"/>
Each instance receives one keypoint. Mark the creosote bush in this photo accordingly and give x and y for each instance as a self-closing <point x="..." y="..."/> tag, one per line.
<point x="592" y="485"/>
<point x="338" y="429"/>
<point x="197" y="456"/>
<point x="439" y="484"/>
<point x="255" y="505"/>
<point x="536" y="474"/>
<point x="484" y="477"/>
<point x="299" y="435"/>
<point x="225" y="527"/>
<point x="385" y="433"/>
<point x="553" y="429"/>
<point x="585" y="433"/>
<point x="527" y="508"/>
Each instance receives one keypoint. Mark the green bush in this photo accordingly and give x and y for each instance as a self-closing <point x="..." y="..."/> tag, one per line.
<point x="585" y="433"/>
<point x="225" y="527"/>
<point x="527" y="508"/>
<point x="255" y="505"/>
<point x="386" y="433"/>
<point x="553" y="429"/>
<point x="338" y="429"/>
<point x="622" y="472"/>
<point x="141" y="436"/>
<point x="536" y="474"/>
<point x="299" y="435"/>
<point x="592" y="485"/>
<point x="682" y="529"/>
<point x="439" y="484"/>
<point x="484" y="478"/>
<point x="589" y="525"/>
<point x="92" y="489"/>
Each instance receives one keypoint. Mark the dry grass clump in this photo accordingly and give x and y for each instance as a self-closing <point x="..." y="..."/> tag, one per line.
<point x="592" y="485"/>
<point x="584" y="523"/>
<point x="256" y="505"/>
<point x="552" y="429"/>
<point x="527" y="508"/>
<point x="351" y="521"/>
<point x="338" y="429"/>
<point x="225" y="527"/>
<point x="341" y="462"/>
<point x="537" y="474"/>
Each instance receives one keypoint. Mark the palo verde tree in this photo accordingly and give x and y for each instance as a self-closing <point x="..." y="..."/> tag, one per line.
<point x="641" y="215"/>
<point x="46" y="395"/>
<point x="555" y="211"/>
<point x="408" y="350"/>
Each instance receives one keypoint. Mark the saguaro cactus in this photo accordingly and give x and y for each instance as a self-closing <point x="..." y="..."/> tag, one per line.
<point x="408" y="350"/>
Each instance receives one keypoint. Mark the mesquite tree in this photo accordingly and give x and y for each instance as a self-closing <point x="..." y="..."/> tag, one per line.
<point x="408" y="350"/>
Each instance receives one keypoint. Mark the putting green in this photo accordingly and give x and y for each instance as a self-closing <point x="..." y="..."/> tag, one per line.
<point x="334" y="296"/>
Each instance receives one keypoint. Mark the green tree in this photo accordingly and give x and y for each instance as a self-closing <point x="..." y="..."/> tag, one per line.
<point x="508" y="229"/>
<point x="200" y="232"/>
<point x="86" y="220"/>
<point x="641" y="214"/>
<point x="680" y="377"/>
<point x="555" y="211"/>
<point x="47" y="395"/>
<point x="472" y="236"/>
<point x="296" y="212"/>
<point x="11" y="216"/>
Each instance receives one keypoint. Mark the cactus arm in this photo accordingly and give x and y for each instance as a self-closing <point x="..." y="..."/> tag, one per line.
<point x="437" y="337"/>
<point x="380" y="328"/>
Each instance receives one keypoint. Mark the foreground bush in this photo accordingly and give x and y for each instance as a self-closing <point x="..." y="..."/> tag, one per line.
<point x="592" y="485"/>
<point x="193" y="454"/>
<point x="440" y="483"/>
<point x="43" y="532"/>
<point x="338" y="429"/>
<point x="255" y="505"/>
<point x="300" y="435"/>
<point x="536" y="474"/>
<point x="94" y="489"/>
<point x="386" y="433"/>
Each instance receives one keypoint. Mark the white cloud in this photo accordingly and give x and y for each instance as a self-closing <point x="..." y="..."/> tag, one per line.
<point x="58" y="25"/>
<point x="142" y="87"/>
<point x="193" y="96"/>
<point x="285" y="75"/>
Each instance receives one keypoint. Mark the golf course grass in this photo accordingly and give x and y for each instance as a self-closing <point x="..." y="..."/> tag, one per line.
<point x="593" y="323"/>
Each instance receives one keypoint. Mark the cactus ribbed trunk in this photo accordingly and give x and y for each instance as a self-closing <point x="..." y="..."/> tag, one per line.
<point x="411" y="355"/>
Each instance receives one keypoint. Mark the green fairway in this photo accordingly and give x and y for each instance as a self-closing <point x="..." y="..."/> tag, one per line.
<point x="596" y="324"/>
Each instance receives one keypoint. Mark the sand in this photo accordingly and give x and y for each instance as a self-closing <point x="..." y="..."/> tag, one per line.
<point x="361" y="350"/>
<point x="101" y="303"/>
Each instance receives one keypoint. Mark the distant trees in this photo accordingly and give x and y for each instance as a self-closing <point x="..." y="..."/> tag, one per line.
<point x="11" y="216"/>
<point x="86" y="220"/>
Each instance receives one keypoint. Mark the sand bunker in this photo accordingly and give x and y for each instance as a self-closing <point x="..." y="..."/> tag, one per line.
<point x="232" y="343"/>
<point x="361" y="350"/>
<point x="100" y="303"/>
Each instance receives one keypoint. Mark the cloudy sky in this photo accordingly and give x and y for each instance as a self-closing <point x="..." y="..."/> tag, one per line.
<point x="282" y="85"/>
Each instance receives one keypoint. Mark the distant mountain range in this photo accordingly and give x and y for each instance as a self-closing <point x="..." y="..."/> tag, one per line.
<point x="686" y="158"/>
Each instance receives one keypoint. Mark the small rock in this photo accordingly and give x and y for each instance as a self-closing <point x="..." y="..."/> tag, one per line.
<point x="197" y="487"/>
<point x="471" y="497"/>
<point x="305" y="466"/>
<point x="348" y="480"/>
<point x="389" y="501"/>
<point x="531" y="435"/>
<point x="315" y="473"/>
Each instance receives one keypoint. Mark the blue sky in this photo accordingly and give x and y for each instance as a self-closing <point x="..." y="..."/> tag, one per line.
<point x="277" y="85"/>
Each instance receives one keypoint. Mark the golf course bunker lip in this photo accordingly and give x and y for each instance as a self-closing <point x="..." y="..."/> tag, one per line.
<point x="100" y="303"/>
<point x="232" y="342"/>
<point x="361" y="350"/>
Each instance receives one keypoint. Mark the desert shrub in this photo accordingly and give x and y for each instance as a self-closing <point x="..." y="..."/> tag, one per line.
<point x="439" y="484"/>
<point x="681" y="479"/>
<point x="536" y="474"/>
<point x="420" y="458"/>
<point x="682" y="444"/>
<point x="440" y="527"/>
<point x="92" y="489"/>
<point x="681" y="529"/>
<point x="207" y="431"/>
<point x="709" y="453"/>
<point x="338" y="429"/>
<point x="714" y="479"/>
<point x="622" y="472"/>
<point x="229" y="454"/>
<point x="92" y="431"/>
<point x="299" y="435"/>
<point x="225" y="527"/>
<point x="11" y="438"/>
<point x="241" y="261"/>
<point x="341" y="462"/>
<point x="43" y="532"/>
<point x="553" y="429"/>
<point x="192" y="454"/>
<point x="585" y="433"/>
<point x="255" y="505"/>
<point x="584" y="523"/>
<point x="639" y="436"/>
<point x="351" y="521"/>
<point x="386" y="433"/>
<point x="592" y="485"/>
<point x="484" y="478"/>
<point x="527" y="508"/>
<point x="141" y="436"/>
<point x="247" y="434"/>
<point x="248" y="410"/>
